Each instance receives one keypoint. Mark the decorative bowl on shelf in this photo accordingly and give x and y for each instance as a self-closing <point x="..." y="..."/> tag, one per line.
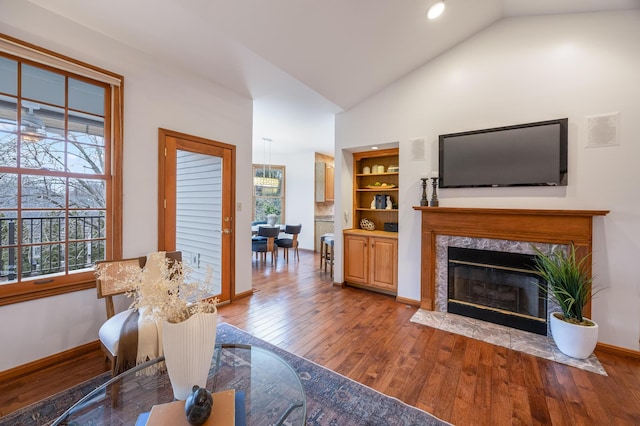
<point x="367" y="225"/>
<point x="393" y="169"/>
<point x="381" y="186"/>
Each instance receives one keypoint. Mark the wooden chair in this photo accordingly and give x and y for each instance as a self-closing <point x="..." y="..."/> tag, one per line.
<point x="108" y="285"/>
<point x="292" y="242"/>
<point x="266" y="246"/>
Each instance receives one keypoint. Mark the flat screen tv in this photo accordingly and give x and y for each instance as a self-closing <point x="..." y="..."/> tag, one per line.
<point x="532" y="154"/>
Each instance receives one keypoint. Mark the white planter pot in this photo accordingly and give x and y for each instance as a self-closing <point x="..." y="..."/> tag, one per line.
<point x="188" y="350"/>
<point x="271" y="219"/>
<point x="576" y="341"/>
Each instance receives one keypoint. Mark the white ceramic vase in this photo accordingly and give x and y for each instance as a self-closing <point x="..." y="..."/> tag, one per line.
<point x="188" y="350"/>
<point x="576" y="341"/>
<point x="271" y="219"/>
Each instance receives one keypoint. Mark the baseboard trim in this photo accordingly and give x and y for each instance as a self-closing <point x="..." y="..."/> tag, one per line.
<point x="407" y="301"/>
<point x="617" y="350"/>
<point x="49" y="361"/>
<point x="242" y="295"/>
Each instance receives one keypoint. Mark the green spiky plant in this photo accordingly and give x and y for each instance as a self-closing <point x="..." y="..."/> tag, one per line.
<point x="568" y="279"/>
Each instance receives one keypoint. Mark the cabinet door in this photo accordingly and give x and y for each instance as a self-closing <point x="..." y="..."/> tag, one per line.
<point x="328" y="183"/>
<point x="384" y="263"/>
<point x="356" y="259"/>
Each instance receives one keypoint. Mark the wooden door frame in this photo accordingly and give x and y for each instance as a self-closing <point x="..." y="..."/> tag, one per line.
<point x="163" y="134"/>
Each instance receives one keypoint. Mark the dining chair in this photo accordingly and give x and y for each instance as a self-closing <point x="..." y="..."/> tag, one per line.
<point x="290" y="242"/>
<point x="267" y="245"/>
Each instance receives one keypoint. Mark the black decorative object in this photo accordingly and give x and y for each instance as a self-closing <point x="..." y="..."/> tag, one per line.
<point x="423" y="200"/>
<point x="434" y="195"/>
<point x="198" y="406"/>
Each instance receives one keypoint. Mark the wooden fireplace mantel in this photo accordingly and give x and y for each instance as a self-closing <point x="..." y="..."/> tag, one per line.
<point x="530" y="225"/>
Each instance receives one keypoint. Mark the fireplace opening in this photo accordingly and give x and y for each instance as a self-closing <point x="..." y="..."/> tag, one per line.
<point x="498" y="287"/>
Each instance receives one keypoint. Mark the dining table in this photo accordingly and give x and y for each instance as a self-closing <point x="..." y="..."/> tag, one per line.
<point x="254" y="228"/>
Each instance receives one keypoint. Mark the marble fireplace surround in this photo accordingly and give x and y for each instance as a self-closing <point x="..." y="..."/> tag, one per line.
<point x="442" y="262"/>
<point x="495" y="229"/>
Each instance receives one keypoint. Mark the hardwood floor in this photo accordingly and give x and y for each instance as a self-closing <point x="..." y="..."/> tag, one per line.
<point x="369" y="338"/>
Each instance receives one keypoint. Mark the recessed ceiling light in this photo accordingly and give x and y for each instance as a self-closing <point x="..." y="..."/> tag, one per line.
<point x="435" y="10"/>
<point x="374" y="147"/>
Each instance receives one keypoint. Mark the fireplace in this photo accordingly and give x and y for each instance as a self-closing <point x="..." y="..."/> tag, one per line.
<point x="495" y="286"/>
<point x="528" y="226"/>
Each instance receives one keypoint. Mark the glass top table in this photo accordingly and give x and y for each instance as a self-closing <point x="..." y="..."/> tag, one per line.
<point x="272" y="390"/>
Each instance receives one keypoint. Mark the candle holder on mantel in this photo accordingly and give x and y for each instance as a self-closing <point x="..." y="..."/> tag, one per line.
<point x="424" y="201"/>
<point x="434" y="195"/>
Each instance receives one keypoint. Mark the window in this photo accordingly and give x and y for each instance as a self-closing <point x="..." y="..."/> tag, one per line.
<point x="59" y="184"/>
<point x="268" y="192"/>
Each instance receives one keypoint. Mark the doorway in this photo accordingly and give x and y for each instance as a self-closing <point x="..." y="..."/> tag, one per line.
<point x="196" y="187"/>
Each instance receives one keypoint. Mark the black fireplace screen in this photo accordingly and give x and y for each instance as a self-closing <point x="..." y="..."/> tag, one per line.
<point x="494" y="286"/>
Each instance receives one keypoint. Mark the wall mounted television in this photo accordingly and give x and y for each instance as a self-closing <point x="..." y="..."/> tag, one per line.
<point x="532" y="154"/>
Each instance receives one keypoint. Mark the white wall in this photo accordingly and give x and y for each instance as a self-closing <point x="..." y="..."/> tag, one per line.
<point x="299" y="195"/>
<point x="156" y="95"/>
<point x="517" y="71"/>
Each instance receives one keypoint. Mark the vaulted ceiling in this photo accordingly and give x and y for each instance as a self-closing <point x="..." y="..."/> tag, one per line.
<point x="301" y="60"/>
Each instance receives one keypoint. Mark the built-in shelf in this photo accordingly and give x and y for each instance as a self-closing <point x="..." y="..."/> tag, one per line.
<point x="378" y="174"/>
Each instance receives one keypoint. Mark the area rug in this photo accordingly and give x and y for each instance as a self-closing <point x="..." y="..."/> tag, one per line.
<point x="518" y="340"/>
<point x="332" y="399"/>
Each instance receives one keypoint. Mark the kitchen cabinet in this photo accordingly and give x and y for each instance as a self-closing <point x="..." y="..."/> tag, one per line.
<point x="324" y="182"/>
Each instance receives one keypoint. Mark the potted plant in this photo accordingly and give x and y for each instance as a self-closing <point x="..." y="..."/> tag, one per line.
<point x="569" y="281"/>
<point x="272" y="212"/>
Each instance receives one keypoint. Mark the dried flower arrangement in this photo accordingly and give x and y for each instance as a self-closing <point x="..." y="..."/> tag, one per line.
<point x="163" y="290"/>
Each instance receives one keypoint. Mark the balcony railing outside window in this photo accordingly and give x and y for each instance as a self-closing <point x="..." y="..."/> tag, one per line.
<point x="44" y="251"/>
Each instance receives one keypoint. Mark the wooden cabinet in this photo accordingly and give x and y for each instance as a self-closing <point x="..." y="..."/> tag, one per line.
<point x="375" y="175"/>
<point x="371" y="259"/>
<point x="324" y="182"/>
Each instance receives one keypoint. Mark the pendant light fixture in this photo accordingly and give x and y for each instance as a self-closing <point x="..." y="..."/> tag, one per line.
<point x="266" y="180"/>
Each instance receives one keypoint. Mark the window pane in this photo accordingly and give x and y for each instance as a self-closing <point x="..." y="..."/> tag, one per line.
<point x="39" y="121"/>
<point x="8" y="251"/>
<point x="87" y="193"/>
<point x="8" y="114"/>
<point x="43" y="227"/>
<point x="43" y="192"/>
<point x="42" y="259"/>
<point x="87" y="159"/>
<point x="46" y="154"/>
<point x="8" y="76"/>
<point x="86" y="128"/>
<point x="79" y="255"/>
<point x="42" y="85"/>
<point x="86" y="97"/>
<point x="265" y="206"/>
<point x="87" y="225"/>
<point x="8" y="266"/>
<point x="8" y="149"/>
<point x="8" y="191"/>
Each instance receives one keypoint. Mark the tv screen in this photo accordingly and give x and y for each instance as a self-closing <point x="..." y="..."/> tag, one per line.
<point x="532" y="154"/>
